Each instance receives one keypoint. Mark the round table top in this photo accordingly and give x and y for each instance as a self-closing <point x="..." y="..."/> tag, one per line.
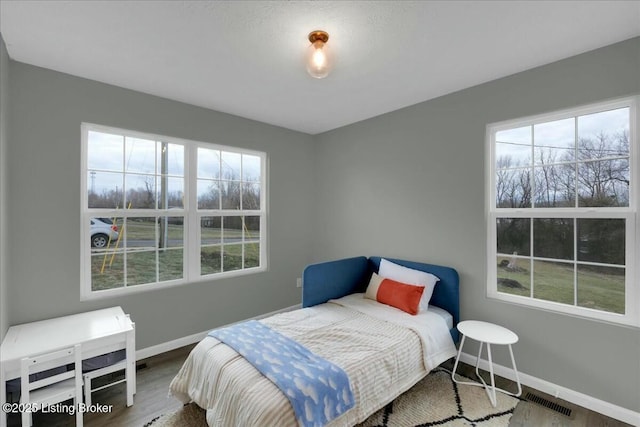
<point x="487" y="332"/>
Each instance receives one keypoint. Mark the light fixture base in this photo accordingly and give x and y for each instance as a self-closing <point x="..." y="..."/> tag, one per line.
<point x="318" y="35"/>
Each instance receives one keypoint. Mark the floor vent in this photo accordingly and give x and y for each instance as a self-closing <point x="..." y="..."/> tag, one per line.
<point x="141" y="366"/>
<point x="548" y="404"/>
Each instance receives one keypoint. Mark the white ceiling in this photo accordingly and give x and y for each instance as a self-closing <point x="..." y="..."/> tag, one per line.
<point x="246" y="57"/>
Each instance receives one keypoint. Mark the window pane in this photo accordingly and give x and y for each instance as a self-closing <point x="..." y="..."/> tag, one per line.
<point x="210" y="230"/>
<point x="140" y="191"/>
<point x="601" y="240"/>
<point x="105" y="151"/>
<point x="514" y="236"/>
<point x="141" y="233"/>
<point x="174" y="196"/>
<point x="251" y="168"/>
<point x="604" y="183"/>
<point x="208" y="163"/>
<point x="141" y="267"/>
<point x="208" y="194"/>
<point x="553" y="238"/>
<point x="554" y="142"/>
<point x="513" y="188"/>
<point x="141" y="155"/>
<point x="107" y="270"/>
<point x="252" y="240"/>
<point x="171" y="159"/>
<point x="251" y="228"/>
<point x="232" y="229"/>
<point x="171" y="232"/>
<point x="553" y="281"/>
<point x="604" y="134"/>
<point x="601" y="288"/>
<point x="231" y="257"/>
<point x="105" y="190"/>
<point x="104" y="233"/>
<point x="251" y="196"/>
<point x="514" y="275"/>
<point x="513" y="147"/>
<point x="230" y="195"/>
<point x="210" y="260"/>
<point x="230" y="165"/>
<point x="170" y="264"/>
<point x="512" y="155"/>
<point x="252" y="255"/>
<point x="555" y="186"/>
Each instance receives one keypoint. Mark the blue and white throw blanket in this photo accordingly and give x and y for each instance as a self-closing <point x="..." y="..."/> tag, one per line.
<point x="318" y="390"/>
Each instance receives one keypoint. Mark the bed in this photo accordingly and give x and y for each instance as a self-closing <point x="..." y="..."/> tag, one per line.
<point x="384" y="351"/>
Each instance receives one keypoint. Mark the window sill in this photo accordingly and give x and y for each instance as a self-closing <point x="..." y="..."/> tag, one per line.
<point x="628" y="321"/>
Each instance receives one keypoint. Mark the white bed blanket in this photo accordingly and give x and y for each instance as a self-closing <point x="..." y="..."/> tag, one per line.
<point x="383" y="358"/>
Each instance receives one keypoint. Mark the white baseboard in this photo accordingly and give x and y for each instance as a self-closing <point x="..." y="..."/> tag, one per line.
<point x="154" y="350"/>
<point x="575" y="397"/>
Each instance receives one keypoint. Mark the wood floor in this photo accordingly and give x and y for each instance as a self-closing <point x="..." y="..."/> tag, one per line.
<point x="155" y="374"/>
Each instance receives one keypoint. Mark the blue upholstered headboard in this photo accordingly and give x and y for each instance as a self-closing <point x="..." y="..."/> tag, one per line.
<point x="335" y="279"/>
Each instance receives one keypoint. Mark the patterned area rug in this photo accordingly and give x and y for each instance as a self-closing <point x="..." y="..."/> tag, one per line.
<point x="434" y="401"/>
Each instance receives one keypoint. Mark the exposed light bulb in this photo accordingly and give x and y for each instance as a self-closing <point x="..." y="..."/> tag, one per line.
<point x="318" y="55"/>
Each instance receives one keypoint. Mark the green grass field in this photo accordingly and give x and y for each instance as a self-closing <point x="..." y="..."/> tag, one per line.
<point x="599" y="288"/>
<point x="146" y="230"/>
<point x="107" y="265"/>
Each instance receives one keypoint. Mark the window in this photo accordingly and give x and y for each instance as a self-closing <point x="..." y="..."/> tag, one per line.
<point x="563" y="211"/>
<point x="160" y="211"/>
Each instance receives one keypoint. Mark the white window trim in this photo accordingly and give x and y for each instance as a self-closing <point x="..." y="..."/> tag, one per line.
<point x="632" y="246"/>
<point x="192" y="232"/>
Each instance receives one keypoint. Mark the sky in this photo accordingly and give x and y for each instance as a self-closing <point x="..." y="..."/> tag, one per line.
<point x="559" y="135"/>
<point x="115" y="161"/>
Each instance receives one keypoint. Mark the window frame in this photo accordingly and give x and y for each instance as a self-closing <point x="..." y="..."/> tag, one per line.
<point x="192" y="214"/>
<point x="631" y="317"/>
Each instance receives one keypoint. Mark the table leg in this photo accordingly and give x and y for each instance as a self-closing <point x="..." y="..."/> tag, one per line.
<point x="478" y="359"/>
<point x="515" y="370"/>
<point x="491" y="393"/>
<point x="491" y="390"/>
<point x="455" y="365"/>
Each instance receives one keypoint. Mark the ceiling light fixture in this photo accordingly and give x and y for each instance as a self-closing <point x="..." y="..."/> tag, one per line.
<point x="318" y="56"/>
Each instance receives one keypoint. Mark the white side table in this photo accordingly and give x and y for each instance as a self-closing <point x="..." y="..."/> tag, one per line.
<point x="487" y="333"/>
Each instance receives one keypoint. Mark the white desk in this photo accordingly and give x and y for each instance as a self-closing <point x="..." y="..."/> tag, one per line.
<point x="98" y="332"/>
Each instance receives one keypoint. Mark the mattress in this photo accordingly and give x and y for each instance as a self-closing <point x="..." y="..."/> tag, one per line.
<point x="384" y="351"/>
<point x="448" y="318"/>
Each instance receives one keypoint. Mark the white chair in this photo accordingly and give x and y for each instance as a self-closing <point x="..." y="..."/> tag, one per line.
<point x="91" y="375"/>
<point x="56" y="388"/>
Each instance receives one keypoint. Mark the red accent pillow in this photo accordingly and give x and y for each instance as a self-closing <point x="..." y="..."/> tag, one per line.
<point x="400" y="295"/>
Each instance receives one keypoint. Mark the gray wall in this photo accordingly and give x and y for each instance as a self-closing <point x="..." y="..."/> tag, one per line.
<point x="411" y="184"/>
<point x="406" y="184"/>
<point x="43" y="201"/>
<point x="4" y="108"/>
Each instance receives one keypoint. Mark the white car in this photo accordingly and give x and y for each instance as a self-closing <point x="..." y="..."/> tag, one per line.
<point x="103" y="232"/>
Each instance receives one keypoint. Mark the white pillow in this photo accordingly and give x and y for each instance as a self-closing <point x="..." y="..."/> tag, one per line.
<point x="410" y="276"/>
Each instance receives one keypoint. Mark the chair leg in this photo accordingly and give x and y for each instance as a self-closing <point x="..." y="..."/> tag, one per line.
<point x="26" y="419"/>
<point x="87" y="390"/>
